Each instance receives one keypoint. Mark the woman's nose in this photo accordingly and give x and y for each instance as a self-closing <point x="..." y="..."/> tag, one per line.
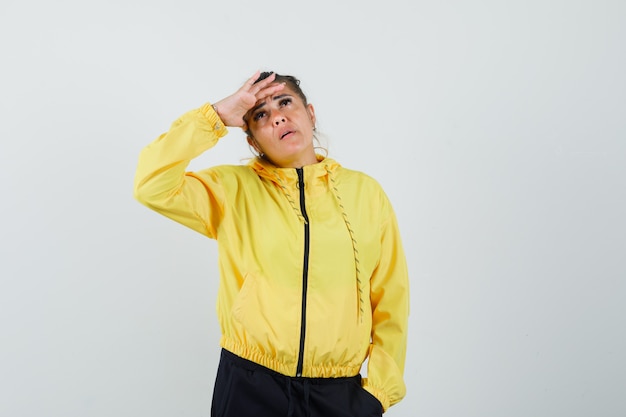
<point x="278" y="119"/>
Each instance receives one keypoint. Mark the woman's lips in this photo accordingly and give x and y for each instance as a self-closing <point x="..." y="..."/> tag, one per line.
<point x="286" y="134"/>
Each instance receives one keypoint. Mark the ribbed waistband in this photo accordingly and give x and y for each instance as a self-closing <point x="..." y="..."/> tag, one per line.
<point x="253" y="366"/>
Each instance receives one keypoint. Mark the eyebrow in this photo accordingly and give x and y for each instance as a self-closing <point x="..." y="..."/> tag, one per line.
<point x="273" y="99"/>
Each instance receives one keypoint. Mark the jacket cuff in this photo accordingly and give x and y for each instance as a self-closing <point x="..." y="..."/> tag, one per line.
<point x="209" y="113"/>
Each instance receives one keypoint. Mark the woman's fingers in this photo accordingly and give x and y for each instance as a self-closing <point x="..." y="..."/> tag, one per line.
<point x="254" y="77"/>
<point x="255" y="88"/>
<point x="269" y="90"/>
<point x="249" y="85"/>
<point x="234" y="107"/>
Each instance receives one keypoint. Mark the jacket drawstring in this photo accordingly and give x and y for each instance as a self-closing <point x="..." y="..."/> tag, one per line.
<point x="292" y="202"/>
<point x="359" y="283"/>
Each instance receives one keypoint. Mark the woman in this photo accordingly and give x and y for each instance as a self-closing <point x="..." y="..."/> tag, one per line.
<point x="313" y="279"/>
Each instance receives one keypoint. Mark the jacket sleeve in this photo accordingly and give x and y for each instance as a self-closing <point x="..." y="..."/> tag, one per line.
<point x="161" y="182"/>
<point x="389" y="293"/>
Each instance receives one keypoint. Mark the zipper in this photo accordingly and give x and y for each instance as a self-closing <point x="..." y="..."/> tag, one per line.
<point x="305" y="272"/>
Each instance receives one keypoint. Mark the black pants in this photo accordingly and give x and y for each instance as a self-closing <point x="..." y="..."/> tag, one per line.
<point x="246" y="389"/>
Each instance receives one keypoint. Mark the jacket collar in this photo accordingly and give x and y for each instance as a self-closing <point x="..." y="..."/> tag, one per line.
<point x="275" y="174"/>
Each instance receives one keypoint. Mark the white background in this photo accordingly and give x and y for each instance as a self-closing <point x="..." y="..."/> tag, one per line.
<point x="497" y="129"/>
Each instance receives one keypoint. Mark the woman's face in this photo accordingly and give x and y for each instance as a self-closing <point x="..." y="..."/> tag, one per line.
<point x="281" y="127"/>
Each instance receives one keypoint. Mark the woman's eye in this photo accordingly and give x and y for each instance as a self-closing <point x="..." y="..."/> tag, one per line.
<point x="259" y="115"/>
<point x="285" y="101"/>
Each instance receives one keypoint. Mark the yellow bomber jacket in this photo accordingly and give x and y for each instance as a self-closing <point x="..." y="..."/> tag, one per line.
<point x="313" y="277"/>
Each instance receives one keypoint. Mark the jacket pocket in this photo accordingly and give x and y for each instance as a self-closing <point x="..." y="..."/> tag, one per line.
<point x="222" y="389"/>
<point x="244" y="299"/>
<point x="370" y="405"/>
<point x="265" y="317"/>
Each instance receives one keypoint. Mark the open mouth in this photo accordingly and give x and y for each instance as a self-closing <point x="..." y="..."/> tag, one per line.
<point x="285" y="134"/>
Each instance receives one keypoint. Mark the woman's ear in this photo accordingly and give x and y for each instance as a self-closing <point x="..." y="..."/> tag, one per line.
<point x="252" y="142"/>
<point x="311" y="111"/>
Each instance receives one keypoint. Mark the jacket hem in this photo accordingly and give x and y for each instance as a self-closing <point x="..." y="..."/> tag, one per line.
<point x="318" y="371"/>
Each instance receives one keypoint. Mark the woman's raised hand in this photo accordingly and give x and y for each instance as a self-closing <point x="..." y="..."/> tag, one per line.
<point x="233" y="108"/>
